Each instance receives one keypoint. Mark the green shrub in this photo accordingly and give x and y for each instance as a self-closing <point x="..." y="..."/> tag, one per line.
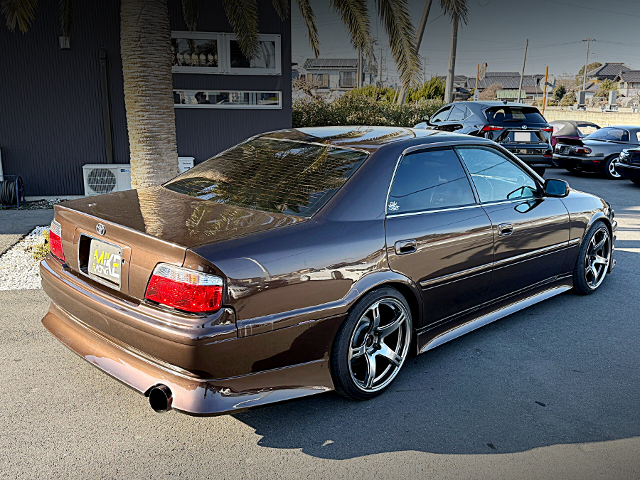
<point x="568" y="100"/>
<point x="387" y="94"/>
<point x="434" y="88"/>
<point x="360" y="109"/>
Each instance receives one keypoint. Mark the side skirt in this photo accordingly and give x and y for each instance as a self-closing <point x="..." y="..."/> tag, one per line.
<point x="434" y="337"/>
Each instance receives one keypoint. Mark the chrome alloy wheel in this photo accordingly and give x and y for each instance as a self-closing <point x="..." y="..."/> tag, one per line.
<point x="612" y="170"/>
<point x="597" y="258"/>
<point x="379" y="344"/>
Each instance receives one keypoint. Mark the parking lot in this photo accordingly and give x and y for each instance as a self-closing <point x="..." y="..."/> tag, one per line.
<point x="550" y="392"/>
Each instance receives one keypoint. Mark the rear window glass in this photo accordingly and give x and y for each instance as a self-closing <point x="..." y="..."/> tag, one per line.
<point x="293" y="178"/>
<point x="609" y="133"/>
<point x="585" y="130"/>
<point x="514" y="115"/>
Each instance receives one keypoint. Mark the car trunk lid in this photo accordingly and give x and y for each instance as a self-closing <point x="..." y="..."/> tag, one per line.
<point x="150" y="226"/>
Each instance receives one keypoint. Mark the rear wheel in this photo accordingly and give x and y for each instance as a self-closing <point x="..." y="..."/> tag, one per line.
<point x="372" y="344"/>
<point x="609" y="168"/>
<point x="593" y="260"/>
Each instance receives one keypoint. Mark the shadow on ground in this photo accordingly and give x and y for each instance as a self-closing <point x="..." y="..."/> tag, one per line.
<point x="563" y="371"/>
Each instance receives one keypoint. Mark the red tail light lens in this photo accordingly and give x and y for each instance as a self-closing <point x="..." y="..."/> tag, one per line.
<point x="582" y="150"/>
<point x="547" y="129"/>
<point x="185" y="289"/>
<point x="491" y="128"/>
<point x="55" y="240"/>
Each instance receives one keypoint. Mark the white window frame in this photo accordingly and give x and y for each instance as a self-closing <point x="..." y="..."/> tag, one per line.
<point x="229" y="106"/>
<point x="255" y="71"/>
<point x="224" y="54"/>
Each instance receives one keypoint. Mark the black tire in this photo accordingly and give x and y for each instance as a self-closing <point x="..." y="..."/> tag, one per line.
<point x="636" y="181"/>
<point x="573" y="169"/>
<point x="343" y="362"/>
<point x="539" y="170"/>
<point x="581" y="282"/>
<point x="608" y="169"/>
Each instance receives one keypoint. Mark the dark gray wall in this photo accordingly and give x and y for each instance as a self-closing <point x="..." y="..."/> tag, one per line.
<point x="50" y="99"/>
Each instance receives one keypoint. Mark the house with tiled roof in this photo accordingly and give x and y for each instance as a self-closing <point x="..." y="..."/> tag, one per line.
<point x="532" y="85"/>
<point x="336" y="73"/>
<point x="628" y="83"/>
<point x="607" y="71"/>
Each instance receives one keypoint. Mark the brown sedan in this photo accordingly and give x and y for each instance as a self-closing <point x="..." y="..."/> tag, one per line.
<point x="307" y="260"/>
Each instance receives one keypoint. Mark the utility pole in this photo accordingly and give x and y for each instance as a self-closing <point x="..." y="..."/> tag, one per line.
<point x="453" y="46"/>
<point x="544" y="99"/>
<point x="380" y="68"/>
<point x="586" y="63"/>
<point x="423" y="23"/>
<point x="524" y="62"/>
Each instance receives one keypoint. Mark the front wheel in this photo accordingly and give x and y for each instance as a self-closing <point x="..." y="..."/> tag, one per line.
<point x="593" y="260"/>
<point x="372" y="344"/>
<point x="609" y="169"/>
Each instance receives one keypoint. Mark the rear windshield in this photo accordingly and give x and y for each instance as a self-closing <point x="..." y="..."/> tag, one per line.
<point x="610" y="133"/>
<point x="293" y="178"/>
<point x="514" y="115"/>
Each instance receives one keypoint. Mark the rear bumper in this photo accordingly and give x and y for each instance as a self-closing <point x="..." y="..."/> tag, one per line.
<point x="533" y="160"/>
<point x="588" y="164"/>
<point x="628" y="171"/>
<point x="209" y="372"/>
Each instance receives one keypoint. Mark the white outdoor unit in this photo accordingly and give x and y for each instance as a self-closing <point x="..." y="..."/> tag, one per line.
<point x="185" y="163"/>
<point x="102" y="178"/>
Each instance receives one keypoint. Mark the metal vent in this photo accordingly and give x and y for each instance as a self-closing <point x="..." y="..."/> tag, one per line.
<point x="101" y="180"/>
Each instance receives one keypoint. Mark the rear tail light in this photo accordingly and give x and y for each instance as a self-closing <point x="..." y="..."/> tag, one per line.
<point x="491" y="128"/>
<point x="185" y="289"/>
<point x="55" y="240"/>
<point x="547" y="129"/>
<point x="582" y="150"/>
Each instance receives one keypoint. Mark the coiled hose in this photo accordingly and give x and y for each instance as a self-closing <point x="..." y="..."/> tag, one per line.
<point x="8" y="193"/>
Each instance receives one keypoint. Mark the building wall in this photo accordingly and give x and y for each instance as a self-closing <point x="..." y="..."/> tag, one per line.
<point x="50" y="99"/>
<point x="601" y="118"/>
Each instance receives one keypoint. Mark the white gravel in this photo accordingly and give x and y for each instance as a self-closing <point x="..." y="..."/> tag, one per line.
<point x="18" y="269"/>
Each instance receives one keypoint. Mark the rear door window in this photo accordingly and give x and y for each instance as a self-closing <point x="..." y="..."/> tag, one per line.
<point x="432" y="179"/>
<point x="441" y="116"/>
<point x="514" y="116"/>
<point x="458" y="113"/>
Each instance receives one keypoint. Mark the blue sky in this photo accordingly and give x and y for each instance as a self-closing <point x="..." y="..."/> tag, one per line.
<point x="496" y="34"/>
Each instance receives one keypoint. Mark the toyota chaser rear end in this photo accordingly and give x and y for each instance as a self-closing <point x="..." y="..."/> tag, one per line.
<point x="131" y="294"/>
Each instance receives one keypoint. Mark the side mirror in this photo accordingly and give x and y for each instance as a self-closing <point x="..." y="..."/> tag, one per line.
<point x="556" y="188"/>
<point x="426" y="118"/>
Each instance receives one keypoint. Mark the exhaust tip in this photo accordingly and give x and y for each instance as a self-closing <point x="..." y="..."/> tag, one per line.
<point x="160" y="398"/>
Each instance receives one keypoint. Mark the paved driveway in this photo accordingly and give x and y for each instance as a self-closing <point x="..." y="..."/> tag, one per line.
<point x="552" y="392"/>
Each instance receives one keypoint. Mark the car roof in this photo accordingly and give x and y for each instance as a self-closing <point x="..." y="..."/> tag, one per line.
<point x="368" y="138"/>
<point x="493" y="103"/>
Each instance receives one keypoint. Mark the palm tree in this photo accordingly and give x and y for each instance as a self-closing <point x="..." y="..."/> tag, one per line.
<point x="145" y="46"/>
<point x="456" y="9"/>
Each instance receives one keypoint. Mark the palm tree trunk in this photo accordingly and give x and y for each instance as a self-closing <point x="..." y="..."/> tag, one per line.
<point x="145" y="46"/>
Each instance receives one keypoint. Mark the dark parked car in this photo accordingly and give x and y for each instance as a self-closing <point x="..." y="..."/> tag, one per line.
<point x="306" y="260"/>
<point x="597" y="152"/>
<point x="572" y="129"/>
<point x="628" y="165"/>
<point x="519" y="128"/>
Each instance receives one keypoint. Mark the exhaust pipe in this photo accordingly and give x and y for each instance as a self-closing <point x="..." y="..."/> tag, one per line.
<point x="160" y="398"/>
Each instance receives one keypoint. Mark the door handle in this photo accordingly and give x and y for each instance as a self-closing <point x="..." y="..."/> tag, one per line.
<point x="404" y="247"/>
<point x="505" y="229"/>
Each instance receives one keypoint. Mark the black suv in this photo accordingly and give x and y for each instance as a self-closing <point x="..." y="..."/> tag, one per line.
<point x="519" y="128"/>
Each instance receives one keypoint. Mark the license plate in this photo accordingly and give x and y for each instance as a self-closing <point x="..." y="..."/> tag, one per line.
<point x="105" y="261"/>
<point x="522" y="136"/>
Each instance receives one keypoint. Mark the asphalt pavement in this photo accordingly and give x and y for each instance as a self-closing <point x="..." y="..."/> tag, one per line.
<point x="14" y="224"/>
<point x="551" y="392"/>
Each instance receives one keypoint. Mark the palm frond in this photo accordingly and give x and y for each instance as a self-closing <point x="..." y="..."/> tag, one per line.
<point x="190" y="13"/>
<point x="243" y="18"/>
<point x="402" y="38"/>
<point x="306" y="12"/>
<point x="355" y="17"/>
<point x="282" y="8"/>
<point x="456" y="8"/>
<point x="18" y="12"/>
<point x="66" y="17"/>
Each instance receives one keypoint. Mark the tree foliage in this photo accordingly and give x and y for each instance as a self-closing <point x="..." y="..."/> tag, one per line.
<point x="568" y="100"/>
<point x="490" y="92"/>
<point x="559" y="92"/>
<point x="605" y="87"/>
<point x="434" y="88"/>
<point x="590" y="67"/>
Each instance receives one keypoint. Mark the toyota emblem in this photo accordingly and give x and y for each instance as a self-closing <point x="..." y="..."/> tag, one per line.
<point x="101" y="229"/>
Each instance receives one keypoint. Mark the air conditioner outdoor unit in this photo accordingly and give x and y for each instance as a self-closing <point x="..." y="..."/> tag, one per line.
<point x="102" y="178"/>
